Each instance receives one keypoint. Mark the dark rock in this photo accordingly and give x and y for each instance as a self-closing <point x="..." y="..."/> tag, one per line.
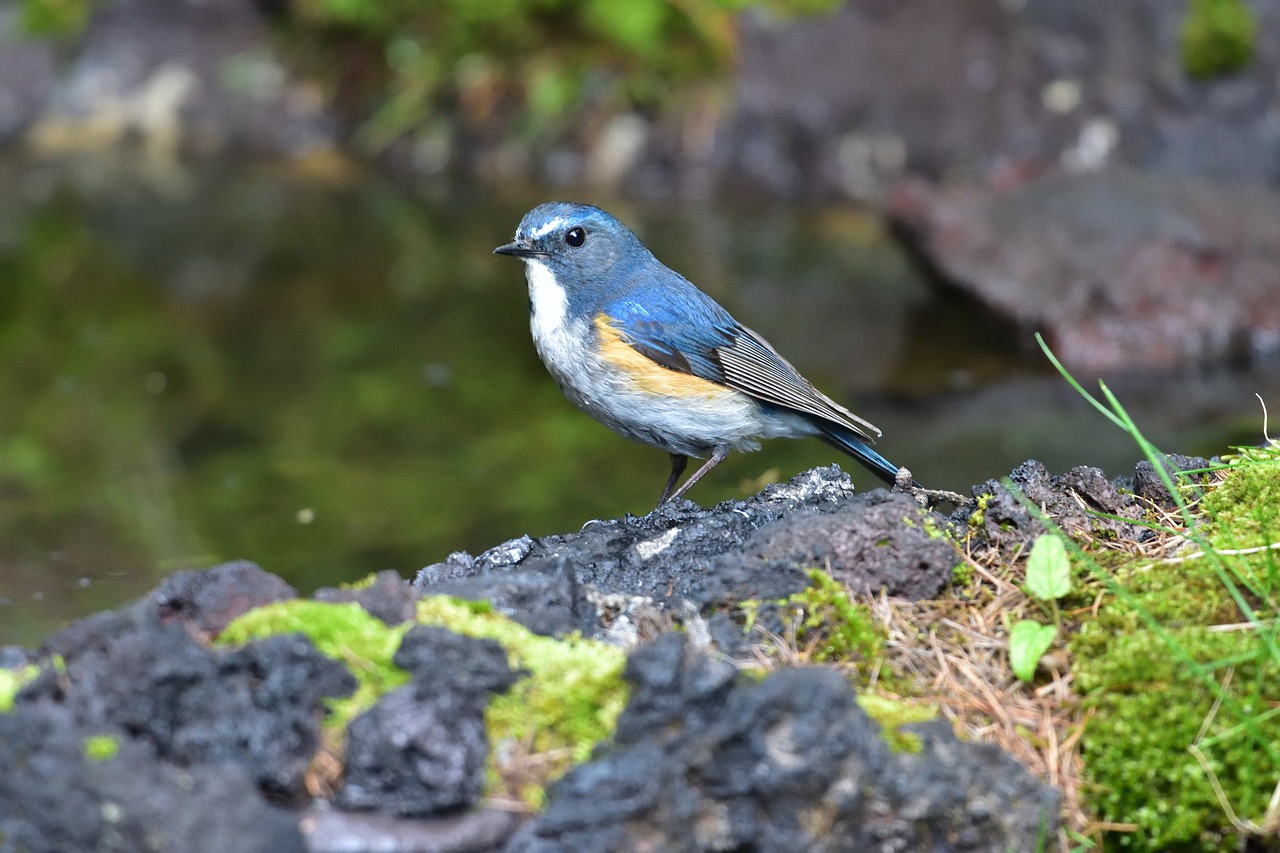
<point x="1073" y="501"/>
<point x="705" y="759"/>
<point x="545" y="600"/>
<point x="680" y="552"/>
<point x="389" y="597"/>
<point x="1121" y="270"/>
<point x="54" y="798"/>
<point x="421" y="749"/>
<point x="207" y="600"/>
<point x="1148" y="485"/>
<point x="439" y="660"/>
<point x="257" y="708"/>
<point x="874" y="542"/>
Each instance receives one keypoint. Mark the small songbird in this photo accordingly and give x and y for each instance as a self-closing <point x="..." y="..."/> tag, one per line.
<point x="638" y="347"/>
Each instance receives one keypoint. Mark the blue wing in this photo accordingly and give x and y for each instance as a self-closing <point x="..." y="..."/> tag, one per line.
<point x="702" y="339"/>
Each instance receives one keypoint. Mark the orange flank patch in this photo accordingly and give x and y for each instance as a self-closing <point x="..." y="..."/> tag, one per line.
<point x="645" y="373"/>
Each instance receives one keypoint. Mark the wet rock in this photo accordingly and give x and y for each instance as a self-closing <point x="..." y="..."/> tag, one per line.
<point x="421" y="749"/>
<point x="1121" y="270"/>
<point x="257" y="708"/>
<point x="704" y="759"/>
<point x="388" y="598"/>
<point x="56" y="795"/>
<point x="206" y="600"/>
<point x="755" y="548"/>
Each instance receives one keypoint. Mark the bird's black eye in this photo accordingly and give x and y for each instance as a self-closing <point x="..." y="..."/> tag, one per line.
<point x="575" y="237"/>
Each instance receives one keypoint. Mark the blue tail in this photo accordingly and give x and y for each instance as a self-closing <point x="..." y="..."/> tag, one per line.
<point x="857" y="447"/>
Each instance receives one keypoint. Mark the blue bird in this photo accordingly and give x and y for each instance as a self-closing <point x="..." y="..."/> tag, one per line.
<point x="638" y="347"/>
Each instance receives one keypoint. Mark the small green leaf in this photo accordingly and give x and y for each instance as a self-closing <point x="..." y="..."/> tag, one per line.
<point x="1028" y="641"/>
<point x="1048" y="569"/>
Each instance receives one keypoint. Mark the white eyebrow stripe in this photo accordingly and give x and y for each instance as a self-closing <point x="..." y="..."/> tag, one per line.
<point x="546" y="228"/>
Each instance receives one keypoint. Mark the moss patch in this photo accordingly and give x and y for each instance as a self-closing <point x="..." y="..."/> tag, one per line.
<point x="345" y="632"/>
<point x="101" y="747"/>
<point x="892" y="715"/>
<point x="11" y="681"/>
<point x="553" y="718"/>
<point x="1181" y="671"/>
<point x="550" y="720"/>
<point x="832" y="626"/>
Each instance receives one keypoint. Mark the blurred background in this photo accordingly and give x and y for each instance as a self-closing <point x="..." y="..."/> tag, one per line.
<point x="248" y="307"/>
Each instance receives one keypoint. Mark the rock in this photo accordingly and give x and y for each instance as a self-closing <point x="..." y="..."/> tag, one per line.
<point x="706" y="759"/>
<point x="477" y="831"/>
<point x="257" y="708"/>
<point x="421" y="749"/>
<point x="55" y="796"/>
<point x="1148" y="485"/>
<point x="843" y="105"/>
<point x="755" y="548"/>
<point x="206" y="600"/>
<point x="1123" y="271"/>
<point x="1072" y="501"/>
<point x="181" y="75"/>
<point x="388" y="598"/>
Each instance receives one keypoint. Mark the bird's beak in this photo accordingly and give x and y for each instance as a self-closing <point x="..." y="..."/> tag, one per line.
<point x="518" y="249"/>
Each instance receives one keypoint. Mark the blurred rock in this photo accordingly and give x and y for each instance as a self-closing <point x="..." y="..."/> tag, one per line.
<point x="257" y="708"/>
<point x="27" y="75"/>
<point x="388" y="598"/>
<point x="206" y="600"/>
<point x="54" y="796"/>
<point x="1122" y="270"/>
<point x="181" y="76"/>
<point x="844" y="105"/>
<point x="421" y="749"/>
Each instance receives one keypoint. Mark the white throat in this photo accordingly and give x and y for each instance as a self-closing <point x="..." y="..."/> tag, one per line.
<point x="547" y="300"/>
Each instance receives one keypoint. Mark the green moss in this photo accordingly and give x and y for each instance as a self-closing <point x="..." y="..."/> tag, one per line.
<point x="569" y="702"/>
<point x="1218" y="37"/>
<point x="833" y="626"/>
<point x="101" y="747"/>
<point x="962" y="574"/>
<point x="979" y="515"/>
<point x="1150" y="706"/>
<point x="892" y="715"/>
<point x="11" y="681"/>
<point x="1172" y="663"/>
<point x="1244" y="510"/>
<point x="345" y="632"/>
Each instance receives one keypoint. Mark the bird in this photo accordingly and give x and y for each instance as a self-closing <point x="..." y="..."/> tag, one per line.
<point x="641" y="349"/>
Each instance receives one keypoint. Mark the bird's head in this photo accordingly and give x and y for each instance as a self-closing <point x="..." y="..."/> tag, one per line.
<point x="579" y="244"/>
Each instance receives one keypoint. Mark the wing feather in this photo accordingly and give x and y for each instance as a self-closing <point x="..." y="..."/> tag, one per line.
<point x="717" y="348"/>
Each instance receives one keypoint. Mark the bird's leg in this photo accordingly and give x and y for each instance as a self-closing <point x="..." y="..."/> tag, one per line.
<point x="717" y="457"/>
<point x="678" y="461"/>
